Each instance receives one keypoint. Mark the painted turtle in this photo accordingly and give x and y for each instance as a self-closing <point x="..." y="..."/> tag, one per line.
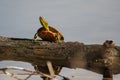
<point x="48" y="33"/>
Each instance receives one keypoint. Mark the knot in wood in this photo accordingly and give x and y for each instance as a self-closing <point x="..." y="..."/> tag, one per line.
<point x="109" y="52"/>
<point x="109" y="44"/>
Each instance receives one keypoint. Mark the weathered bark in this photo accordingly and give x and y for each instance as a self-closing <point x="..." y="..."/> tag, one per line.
<point x="67" y="54"/>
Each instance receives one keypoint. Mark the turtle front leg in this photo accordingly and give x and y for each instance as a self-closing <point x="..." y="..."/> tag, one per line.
<point x="35" y="36"/>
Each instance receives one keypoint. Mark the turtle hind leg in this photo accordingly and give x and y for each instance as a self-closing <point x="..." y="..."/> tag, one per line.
<point x="58" y="38"/>
<point x="35" y="36"/>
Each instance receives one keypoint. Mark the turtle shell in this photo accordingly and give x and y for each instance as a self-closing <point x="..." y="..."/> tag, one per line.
<point x="50" y="35"/>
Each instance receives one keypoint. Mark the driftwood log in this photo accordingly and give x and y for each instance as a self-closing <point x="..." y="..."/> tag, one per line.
<point x="67" y="54"/>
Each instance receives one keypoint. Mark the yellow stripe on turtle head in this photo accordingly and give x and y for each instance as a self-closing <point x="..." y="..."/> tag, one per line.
<point x="44" y="23"/>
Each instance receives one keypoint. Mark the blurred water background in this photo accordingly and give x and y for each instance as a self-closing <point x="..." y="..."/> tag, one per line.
<point x="87" y="21"/>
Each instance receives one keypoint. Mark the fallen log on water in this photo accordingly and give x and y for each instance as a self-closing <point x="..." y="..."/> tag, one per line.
<point x="67" y="54"/>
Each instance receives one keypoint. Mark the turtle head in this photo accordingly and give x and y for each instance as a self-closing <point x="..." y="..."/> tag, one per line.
<point x="44" y="23"/>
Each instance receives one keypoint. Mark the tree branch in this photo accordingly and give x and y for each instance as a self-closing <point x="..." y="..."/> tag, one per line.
<point x="67" y="54"/>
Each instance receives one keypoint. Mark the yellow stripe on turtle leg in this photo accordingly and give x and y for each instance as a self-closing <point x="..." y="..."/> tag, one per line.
<point x="58" y="37"/>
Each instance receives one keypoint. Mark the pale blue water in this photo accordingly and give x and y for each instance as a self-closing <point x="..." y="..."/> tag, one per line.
<point x="88" y="21"/>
